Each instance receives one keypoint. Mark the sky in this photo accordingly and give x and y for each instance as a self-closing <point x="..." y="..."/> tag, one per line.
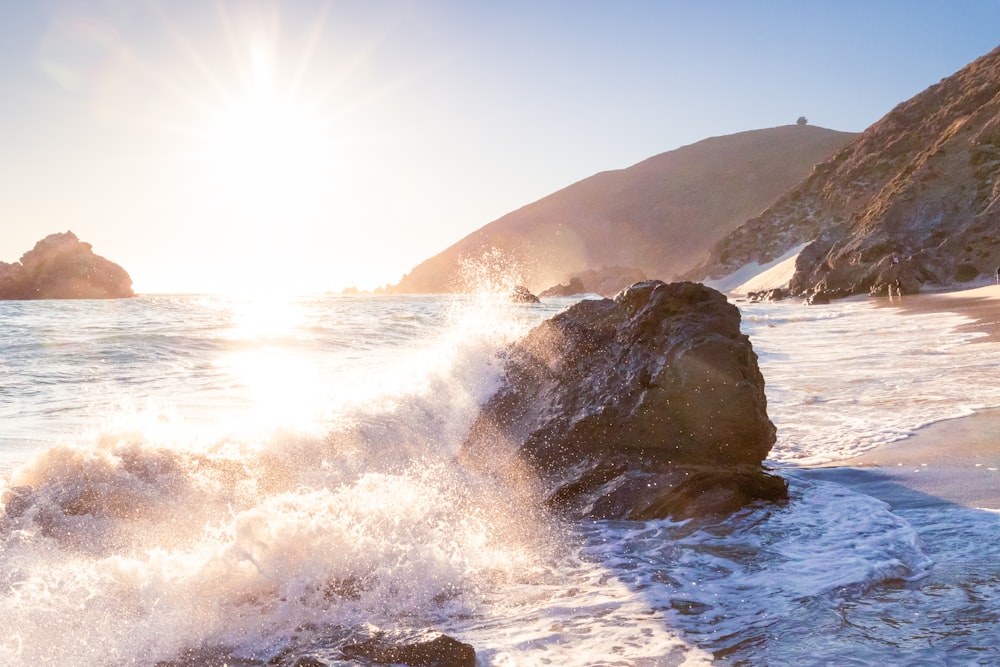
<point x="305" y="145"/>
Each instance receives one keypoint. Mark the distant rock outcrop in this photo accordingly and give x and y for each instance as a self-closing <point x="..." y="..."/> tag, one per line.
<point x="60" y="266"/>
<point x="574" y="287"/>
<point x="606" y="281"/>
<point x="647" y="405"/>
<point x="660" y="216"/>
<point x="914" y="199"/>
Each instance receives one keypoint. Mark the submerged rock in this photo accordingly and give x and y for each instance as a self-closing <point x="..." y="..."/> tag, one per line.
<point x="413" y="648"/>
<point x="646" y="405"/>
<point x="436" y="650"/>
<point x="60" y="266"/>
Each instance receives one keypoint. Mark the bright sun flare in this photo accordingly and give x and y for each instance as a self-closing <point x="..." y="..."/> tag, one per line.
<point x="273" y="172"/>
<point x="263" y="150"/>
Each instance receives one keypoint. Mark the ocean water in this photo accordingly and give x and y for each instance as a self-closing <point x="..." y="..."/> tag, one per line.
<point x="227" y="476"/>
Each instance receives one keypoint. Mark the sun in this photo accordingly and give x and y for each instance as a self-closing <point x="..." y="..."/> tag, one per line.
<point x="274" y="174"/>
<point x="263" y="149"/>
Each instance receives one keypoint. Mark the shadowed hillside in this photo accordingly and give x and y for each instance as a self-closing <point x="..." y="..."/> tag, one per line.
<point x="915" y="198"/>
<point x="659" y="216"/>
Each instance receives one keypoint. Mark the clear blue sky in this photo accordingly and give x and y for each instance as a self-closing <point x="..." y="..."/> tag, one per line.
<point x="315" y="145"/>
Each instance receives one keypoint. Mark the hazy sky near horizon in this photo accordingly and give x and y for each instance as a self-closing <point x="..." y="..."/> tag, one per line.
<point x="207" y="145"/>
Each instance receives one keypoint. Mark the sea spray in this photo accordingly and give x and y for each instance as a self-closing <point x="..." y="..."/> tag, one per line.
<point x="210" y="478"/>
<point x="138" y="546"/>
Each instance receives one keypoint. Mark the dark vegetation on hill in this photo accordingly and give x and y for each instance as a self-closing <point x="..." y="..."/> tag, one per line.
<point x="657" y="218"/>
<point x="915" y="198"/>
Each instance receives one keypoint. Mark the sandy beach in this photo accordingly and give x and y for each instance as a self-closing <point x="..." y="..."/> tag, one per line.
<point x="953" y="461"/>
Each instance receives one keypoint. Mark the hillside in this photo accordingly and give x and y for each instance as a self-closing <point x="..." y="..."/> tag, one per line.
<point x="916" y="197"/>
<point x="658" y="216"/>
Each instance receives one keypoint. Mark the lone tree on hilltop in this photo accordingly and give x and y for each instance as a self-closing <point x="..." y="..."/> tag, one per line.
<point x="802" y="120"/>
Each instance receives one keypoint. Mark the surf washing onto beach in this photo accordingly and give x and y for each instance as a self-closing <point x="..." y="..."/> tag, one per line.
<point x="194" y="480"/>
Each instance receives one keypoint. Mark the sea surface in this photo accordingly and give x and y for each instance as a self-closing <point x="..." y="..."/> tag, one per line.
<point x="237" y="476"/>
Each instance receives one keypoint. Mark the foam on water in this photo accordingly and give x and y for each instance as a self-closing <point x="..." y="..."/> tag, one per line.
<point x="846" y="378"/>
<point x="155" y="530"/>
<point x="736" y="583"/>
<point x="216" y="475"/>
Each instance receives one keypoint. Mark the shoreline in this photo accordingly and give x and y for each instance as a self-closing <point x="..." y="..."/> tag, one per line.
<point x="981" y="304"/>
<point x="955" y="461"/>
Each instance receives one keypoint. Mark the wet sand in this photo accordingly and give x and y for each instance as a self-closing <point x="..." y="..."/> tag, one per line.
<point x="954" y="461"/>
<point x="982" y="304"/>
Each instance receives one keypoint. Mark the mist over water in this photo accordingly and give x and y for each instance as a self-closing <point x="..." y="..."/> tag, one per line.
<point x="184" y="472"/>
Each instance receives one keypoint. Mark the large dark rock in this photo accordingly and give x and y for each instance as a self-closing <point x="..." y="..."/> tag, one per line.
<point x="60" y="266"/>
<point x="647" y="405"/>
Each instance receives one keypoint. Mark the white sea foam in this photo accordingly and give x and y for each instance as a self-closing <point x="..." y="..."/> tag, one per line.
<point x="156" y="530"/>
<point x="220" y="483"/>
<point x="845" y="378"/>
<point x="730" y="582"/>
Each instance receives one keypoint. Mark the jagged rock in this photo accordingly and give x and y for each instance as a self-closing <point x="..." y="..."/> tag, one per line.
<point x="776" y="294"/>
<point x="520" y="294"/>
<point x="13" y="283"/>
<point x="818" y="298"/>
<point x="650" y="404"/>
<point x="575" y="287"/>
<point x="60" y="266"/>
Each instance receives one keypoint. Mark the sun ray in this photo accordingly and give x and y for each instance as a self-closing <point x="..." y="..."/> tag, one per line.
<point x="305" y="60"/>
<point x="190" y="52"/>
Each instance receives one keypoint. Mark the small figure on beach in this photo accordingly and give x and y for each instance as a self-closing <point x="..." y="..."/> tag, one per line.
<point x="998" y="275"/>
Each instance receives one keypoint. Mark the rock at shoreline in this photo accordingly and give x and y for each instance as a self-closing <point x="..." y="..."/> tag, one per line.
<point x="646" y="405"/>
<point x="775" y="294"/>
<point x="60" y="266"/>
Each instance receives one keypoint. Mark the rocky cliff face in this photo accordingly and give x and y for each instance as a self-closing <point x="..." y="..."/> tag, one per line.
<point x="916" y="198"/>
<point x="647" y="405"/>
<point x="60" y="266"/>
<point x="656" y="217"/>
